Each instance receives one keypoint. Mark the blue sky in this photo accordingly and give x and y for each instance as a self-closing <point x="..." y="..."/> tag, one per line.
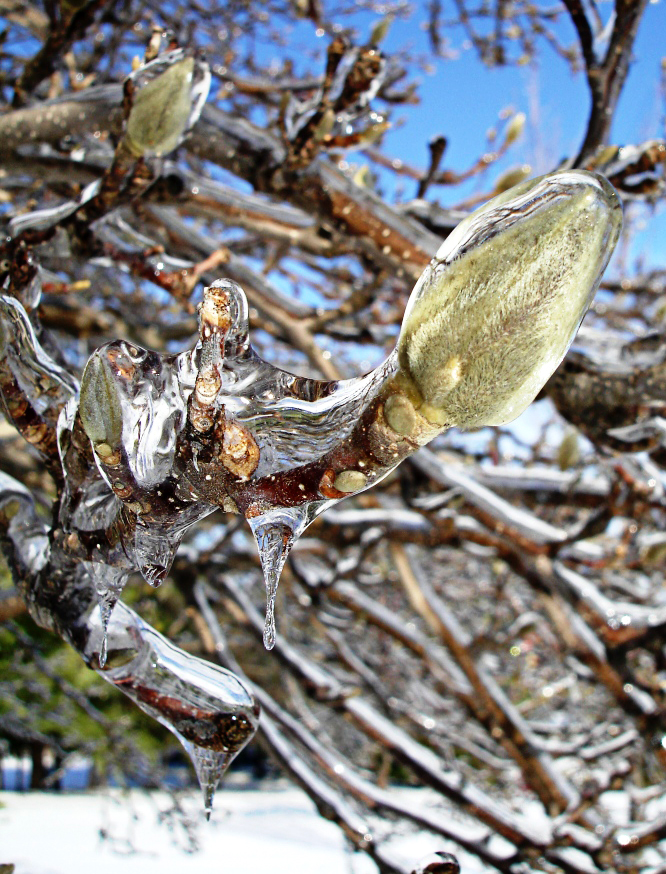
<point x="461" y="99"/>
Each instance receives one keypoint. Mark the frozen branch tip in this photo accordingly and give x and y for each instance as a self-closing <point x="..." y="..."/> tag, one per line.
<point x="488" y="322"/>
<point x="153" y="443"/>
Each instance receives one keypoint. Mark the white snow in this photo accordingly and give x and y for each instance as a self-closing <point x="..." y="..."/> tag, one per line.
<point x="275" y="830"/>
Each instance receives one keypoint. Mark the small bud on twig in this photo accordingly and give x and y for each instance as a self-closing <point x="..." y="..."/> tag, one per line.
<point x="166" y="107"/>
<point x="99" y="405"/>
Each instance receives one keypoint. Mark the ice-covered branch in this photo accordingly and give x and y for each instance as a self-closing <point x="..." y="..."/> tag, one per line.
<point x="210" y="711"/>
<point x="615" y="391"/>
<point x="152" y="443"/>
<point x="341" y="771"/>
<point x="176" y="436"/>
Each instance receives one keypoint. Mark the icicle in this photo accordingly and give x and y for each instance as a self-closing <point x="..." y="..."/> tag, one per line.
<point x="275" y="534"/>
<point x="211" y="712"/>
<point x="155" y="548"/>
<point x="108" y="583"/>
<point x="274" y="540"/>
<point x="210" y="767"/>
<point x="106" y="604"/>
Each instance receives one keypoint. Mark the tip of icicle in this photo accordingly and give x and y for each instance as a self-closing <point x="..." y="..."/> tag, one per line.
<point x="154" y="575"/>
<point x="269" y="631"/>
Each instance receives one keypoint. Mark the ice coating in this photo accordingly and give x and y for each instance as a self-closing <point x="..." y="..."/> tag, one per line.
<point x="176" y="436"/>
<point x="37" y="376"/>
<point x="486" y="325"/>
<point x="209" y="710"/>
<point x="168" y="98"/>
<point x="133" y="407"/>
<point x="496" y="310"/>
<point x="152" y="443"/>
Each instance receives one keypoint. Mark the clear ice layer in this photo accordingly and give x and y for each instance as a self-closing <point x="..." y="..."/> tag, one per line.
<point x="210" y="766"/>
<point x="153" y="443"/>
<point x="176" y="436"/>
<point x="209" y="710"/>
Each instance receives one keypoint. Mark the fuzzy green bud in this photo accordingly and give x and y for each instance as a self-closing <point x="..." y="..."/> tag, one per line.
<point x="100" y="407"/>
<point x="494" y="313"/>
<point x="161" y="111"/>
<point x="515" y="128"/>
<point x="511" y="177"/>
<point x="380" y="30"/>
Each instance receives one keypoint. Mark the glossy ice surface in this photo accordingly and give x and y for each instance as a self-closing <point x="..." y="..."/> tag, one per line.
<point x="153" y="443"/>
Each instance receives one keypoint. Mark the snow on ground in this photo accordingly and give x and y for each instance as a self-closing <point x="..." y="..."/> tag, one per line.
<point x="275" y="830"/>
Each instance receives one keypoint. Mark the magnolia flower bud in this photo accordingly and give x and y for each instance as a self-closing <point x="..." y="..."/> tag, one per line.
<point x="380" y="30"/>
<point x="515" y="128"/>
<point x="512" y="176"/>
<point x="165" y="107"/>
<point x="100" y="407"/>
<point x="494" y="313"/>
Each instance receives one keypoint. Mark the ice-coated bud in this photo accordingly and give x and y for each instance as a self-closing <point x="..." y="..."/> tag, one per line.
<point x="100" y="407"/>
<point x="495" y="311"/>
<point x="511" y="177"/>
<point x="165" y="107"/>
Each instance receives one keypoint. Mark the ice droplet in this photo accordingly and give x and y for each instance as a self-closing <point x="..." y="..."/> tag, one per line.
<point x="108" y="583"/>
<point x="275" y="533"/>
<point x="155" y="550"/>
<point x="210" y="766"/>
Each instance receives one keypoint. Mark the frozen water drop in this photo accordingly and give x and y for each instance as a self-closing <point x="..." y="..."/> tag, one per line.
<point x="108" y="583"/>
<point x="106" y="604"/>
<point x="275" y="533"/>
<point x="155" y="549"/>
<point x="274" y="540"/>
<point x="210" y="766"/>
